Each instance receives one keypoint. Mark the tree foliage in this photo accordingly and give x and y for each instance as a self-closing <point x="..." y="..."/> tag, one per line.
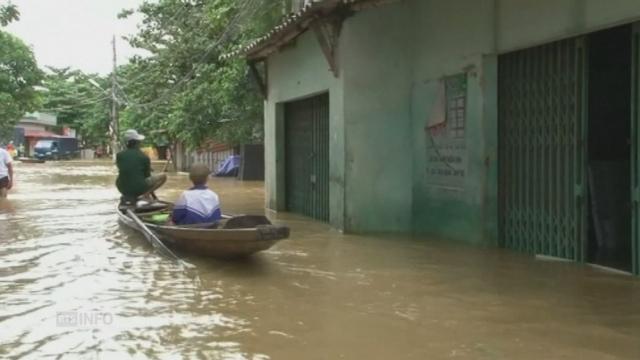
<point x="180" y="89"/>
<point x="19" y="74"/>
<point x="8" y="14"/>
<point x="78" y="103"/>
<point x="183" y="87"/>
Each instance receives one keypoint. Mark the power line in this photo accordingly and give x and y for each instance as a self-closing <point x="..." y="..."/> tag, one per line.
<point x="124" y="94"/>
<point x="204" y="56"/>
<point x="172" y="22"/>
<point x="83" y="103"/>
<point x="92" y="101"/>
<point x="242" y="10"/>
<point x="248" y="4"/>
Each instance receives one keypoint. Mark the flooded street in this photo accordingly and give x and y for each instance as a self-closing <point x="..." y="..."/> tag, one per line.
<point x="76" y="284"/>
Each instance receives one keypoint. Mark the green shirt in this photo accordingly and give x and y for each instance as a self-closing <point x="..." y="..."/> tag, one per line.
<point x="134" y="167"/>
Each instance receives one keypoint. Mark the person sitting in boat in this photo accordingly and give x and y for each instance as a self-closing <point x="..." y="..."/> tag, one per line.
<point x="134" y="170"/>
<point x="199" y="204"/>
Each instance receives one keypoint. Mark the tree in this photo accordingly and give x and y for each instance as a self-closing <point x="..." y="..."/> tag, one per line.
<point x="8" y="14"/>
<point x="78" y="103"/>
<point x="182" y="87"/>
<point x="19" y="74"/>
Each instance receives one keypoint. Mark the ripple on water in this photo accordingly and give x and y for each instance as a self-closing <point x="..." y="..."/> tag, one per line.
<point x="74" y="283"/>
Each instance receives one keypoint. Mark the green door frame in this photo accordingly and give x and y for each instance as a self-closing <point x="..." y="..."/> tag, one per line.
<point x="581" y="133"/>
<point x="635" y="146"/>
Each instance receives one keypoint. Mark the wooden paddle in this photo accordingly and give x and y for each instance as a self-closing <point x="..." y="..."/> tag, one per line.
<point x="166" y="166"/>
<point x="153" y="239"/>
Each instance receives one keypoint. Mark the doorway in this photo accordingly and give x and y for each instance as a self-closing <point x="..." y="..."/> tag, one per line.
<point x="307" y="157"/>
<point x="541" y="125"/>
<point x="609" y="149"/>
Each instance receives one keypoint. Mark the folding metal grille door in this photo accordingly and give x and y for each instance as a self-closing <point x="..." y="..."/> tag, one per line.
<point x="542" y="149"/>
<point x="635" y="143"/>
<point x="307" y="157"/>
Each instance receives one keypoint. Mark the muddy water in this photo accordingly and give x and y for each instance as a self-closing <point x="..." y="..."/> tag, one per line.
<point x="75" y="284"/>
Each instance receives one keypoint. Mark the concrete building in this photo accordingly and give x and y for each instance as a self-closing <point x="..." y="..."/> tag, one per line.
<point x="36" y="126"/>
<point x="505" y="122"/>
<point x="38" y="122"/>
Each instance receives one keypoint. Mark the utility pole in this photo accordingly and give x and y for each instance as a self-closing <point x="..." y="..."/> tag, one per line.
<point x="114" y="105"/>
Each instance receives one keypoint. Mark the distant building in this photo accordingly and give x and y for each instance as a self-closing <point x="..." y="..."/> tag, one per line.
<point x="40" y="125"/>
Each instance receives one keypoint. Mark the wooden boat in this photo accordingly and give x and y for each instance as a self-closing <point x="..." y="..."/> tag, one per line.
<point x="232" y="237"/>
<point x="31" y="161"/>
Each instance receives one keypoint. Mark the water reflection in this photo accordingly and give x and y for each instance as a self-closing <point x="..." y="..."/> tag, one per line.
<point x="75" y="283"/>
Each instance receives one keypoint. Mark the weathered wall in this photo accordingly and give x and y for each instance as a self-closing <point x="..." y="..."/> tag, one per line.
<point x="392" y="60"/>
<point x="377" y="96"/>
<point x="297" y="72"/>
<point x="370" y="150"/>
<point x="525" y="23"/>
<point x="453" y="38"/>
<point x="467" y="35"/>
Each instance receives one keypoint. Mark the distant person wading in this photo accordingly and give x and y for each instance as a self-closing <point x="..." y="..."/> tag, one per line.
<point x="6" y="173"/>
<point x="134" y="170"/>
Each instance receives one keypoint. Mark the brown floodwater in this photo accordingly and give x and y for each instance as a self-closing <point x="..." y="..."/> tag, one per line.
<point x="76" y="284"/>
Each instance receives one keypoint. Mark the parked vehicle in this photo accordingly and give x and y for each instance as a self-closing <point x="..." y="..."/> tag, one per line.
<point x="56" y="149"/>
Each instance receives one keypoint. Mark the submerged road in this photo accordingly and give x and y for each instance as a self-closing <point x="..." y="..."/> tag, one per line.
<point x="76" y="284"/>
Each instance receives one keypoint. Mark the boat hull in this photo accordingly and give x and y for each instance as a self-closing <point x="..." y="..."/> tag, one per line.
<point x="221" y="243"/>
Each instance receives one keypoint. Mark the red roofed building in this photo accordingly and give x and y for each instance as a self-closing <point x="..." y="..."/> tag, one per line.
<point x="38" y="126"/>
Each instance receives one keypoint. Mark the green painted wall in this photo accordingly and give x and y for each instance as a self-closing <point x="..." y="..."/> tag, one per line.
<point x="391" y="60"/>
<point x="377" y="97"/>
<point x="297" y="72"/>
<point x="454" y="36"/>
<point x="462" y="212"/>
<point x="525" y="23"/>
<point x="370" y="149"/>
<point x="467" y="35"/>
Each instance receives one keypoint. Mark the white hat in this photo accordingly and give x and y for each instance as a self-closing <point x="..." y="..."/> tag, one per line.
<point x="132" y="135"/>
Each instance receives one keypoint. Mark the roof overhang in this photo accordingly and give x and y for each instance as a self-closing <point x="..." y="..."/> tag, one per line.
<point x="297" y="23"/>
<point x="41" y="134"/>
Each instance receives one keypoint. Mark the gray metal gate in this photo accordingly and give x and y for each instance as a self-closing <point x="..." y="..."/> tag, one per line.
<point x="635" y="154"/>
<point x="542" y="136"/>
<point x="307" y="157"/>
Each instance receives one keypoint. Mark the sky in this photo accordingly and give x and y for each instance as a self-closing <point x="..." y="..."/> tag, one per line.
<point x="75" y="33"/>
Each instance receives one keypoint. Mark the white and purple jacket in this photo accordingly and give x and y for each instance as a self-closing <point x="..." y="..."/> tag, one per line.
<point x="196" y="206"/>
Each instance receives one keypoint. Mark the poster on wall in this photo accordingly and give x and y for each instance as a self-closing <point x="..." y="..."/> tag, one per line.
<point x="446" y="145"/>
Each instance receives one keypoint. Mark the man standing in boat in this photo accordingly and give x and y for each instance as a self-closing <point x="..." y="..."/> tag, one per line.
<point x="134" y="170"/>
